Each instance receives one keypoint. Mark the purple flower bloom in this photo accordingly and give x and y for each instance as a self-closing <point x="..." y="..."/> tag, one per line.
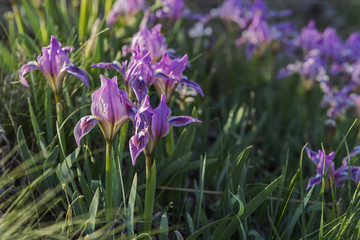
<point x="173" y="9"/>
<point x="110" y="108"/>
<point x="309" y="38"/>
<point x="323" y="162"/>
<point x="127" y="8"/>
<point x="152" y="124"/>
<point x="338" y="100"/>
<point x="138" y="74"/>
<point x="331" y="46"/>
<point x="352" y="46"/>
<point x="152" y="41"/>
<point x="257" y="35"/>
<point x="169" y="73"/>
<point x="54" y="64"/>
<point x="234" y="10"/>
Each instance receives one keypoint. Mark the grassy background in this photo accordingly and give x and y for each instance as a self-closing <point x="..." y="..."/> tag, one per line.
<point x="254" y="193"/>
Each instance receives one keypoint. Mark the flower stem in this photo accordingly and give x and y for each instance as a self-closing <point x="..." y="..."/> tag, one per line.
<point x="108" y="182"/>
<point x="149" y="193"/>
<point x="60" y="121"/>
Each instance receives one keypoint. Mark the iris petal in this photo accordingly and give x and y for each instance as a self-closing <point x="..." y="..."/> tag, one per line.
<point x="160" y="119"/>
<point x="180" y="121"/>
<point x="25" y="69"/>
<point x="77" y="72"/>
<point x="84" y="126"/>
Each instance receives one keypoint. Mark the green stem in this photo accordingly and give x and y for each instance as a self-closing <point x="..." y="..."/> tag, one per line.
<point x="108" y="182"/>
<point x="149" y="193"/>
<point x="60" y="121"/>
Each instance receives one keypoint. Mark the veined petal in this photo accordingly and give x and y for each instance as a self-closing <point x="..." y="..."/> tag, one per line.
<point x="111" y="105"/>
<point x="180" y="121"/>
<point x="137" y="144"/>
<point x="84" y="126"/>
<point x="28" y="67"/>
<point x="140" y="88"/>
<point x="77" y="72"/>
<point x="107" y="65"/>
<point x="53" y="58"/>
<point x="160" y="119"/>
<point x="192" y="84"/>
<point x="143" y="115"/>
<point x="314" y="181"/>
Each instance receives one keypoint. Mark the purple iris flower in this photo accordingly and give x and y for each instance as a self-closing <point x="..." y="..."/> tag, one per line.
<point x="321" y="160"/>
<point x="331" y="46"/>
<point x="338" y="100"/>
<point x="110" y="108"/>
<point x="54" y="64"/>
<point x="138" y="74"/>
<point x="173" y="9"/>
<point x="310" y="38"/>
<point x="257" y="35"/>
<point x="352" y="46"/>
<point x="169" y="73"/>
<point x="127" y="8"/>
<point x="152" y="124"/>
<point x="152" y="41"/>
<point x="234" y="10"/>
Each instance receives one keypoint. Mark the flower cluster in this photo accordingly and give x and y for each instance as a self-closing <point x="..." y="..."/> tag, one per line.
<point x="170" y="9"/>
<point x="150" y="64"/>
<point x="253" y="19"/>
<point x="325" y="167"/>
<point x="144" y="69"/>
<point x="331" y="62"/>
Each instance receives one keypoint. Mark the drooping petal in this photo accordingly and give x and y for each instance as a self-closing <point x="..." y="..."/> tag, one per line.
<point x="77" y="72"/>
<point x="107" y="65"/>
<point x="314" y="181"/>
<point x="137" y="144"/>
<point x="140" y="88"/>
<point x="28" y="67"/>
<point x="192" y="84"/>
<point x="180" y="121"/>
<point x="84" y="126"/>
<point x="313" y="156"/>
<point x="160" y="119"/>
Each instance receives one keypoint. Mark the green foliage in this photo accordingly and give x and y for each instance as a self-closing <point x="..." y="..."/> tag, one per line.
<point x="238" y="175"/>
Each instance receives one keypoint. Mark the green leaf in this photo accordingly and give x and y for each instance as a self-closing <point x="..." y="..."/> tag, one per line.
<point x="260" y="198"/>
<point x="150" y="198"/>
<point x="24" y="150"/>
<point x="38" y="134"/>
<point x="48" y="114"/>
<point x="164" y="227"/>
<point x="190" y="223"/>
<point x="201" y="192"/>
<point x="51" y="159"/>
<point x="287" y="198"/>
<point x="92" y="211"/>
<point x="131" y="206"/>
<point x="84" y="185"/>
